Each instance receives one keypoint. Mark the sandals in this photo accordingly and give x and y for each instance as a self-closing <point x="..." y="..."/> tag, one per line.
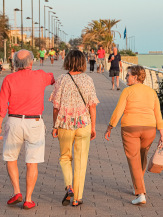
<point x="77" y="202"/>
<point x="67" y="197"/>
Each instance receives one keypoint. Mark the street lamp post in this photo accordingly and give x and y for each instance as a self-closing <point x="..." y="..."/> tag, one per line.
<point x="45" y="22"/>
<point x="28" y="18"/>
<point x="4" y="39"/>
<point x="3" y="9"/>
<point x="15" y="10"/>
<point x="21" y="24"/>
<point x="34" y="33"/>
<point x="32" y="21"/>
<point x="54" y="28"/>
<point x="49" y="24"/>
<point x="39" y="24"/>
<point x="57" y="27"/>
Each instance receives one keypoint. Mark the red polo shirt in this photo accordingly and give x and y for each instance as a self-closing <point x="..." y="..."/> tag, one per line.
<point x="101" y="53"/>
<point x="22" y="92"/>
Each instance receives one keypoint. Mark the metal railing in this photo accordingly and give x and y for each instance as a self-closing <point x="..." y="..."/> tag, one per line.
<point x="153" y="76"/>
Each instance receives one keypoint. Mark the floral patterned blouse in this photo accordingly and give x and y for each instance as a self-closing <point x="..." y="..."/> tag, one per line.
<point x="73" y="113"/>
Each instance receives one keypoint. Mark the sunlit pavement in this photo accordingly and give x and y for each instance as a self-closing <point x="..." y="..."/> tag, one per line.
<point x="108" y="187"/>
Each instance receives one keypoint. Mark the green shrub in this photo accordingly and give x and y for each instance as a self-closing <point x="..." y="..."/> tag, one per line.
<point x="127" y="53"/>
<point x="160" y="95"/>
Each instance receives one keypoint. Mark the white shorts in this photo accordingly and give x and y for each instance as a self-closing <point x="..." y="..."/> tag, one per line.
<point x="19" y="131"/>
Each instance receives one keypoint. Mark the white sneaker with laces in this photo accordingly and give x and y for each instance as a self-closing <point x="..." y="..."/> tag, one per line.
<point x="139" y="200"/>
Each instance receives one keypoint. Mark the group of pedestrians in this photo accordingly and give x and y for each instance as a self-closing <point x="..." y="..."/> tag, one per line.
<point x="74" y="121"/>
<point x="54" y="55"/>
<point x="114" y="59"/>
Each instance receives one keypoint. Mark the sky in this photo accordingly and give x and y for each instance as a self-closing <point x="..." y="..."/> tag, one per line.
<point x="143" y="19"/>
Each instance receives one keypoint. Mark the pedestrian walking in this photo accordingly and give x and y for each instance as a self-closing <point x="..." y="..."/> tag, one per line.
<point x="74" y="116"/>
<point x="92" y="60"/>
<point x="1" y="67"/>
<point x="140" y="107"/>
<point x="22" y="94"/>
<point x="52" y="55"/>
<point x="11" y="59"/>
<point x="57" y="54"/>
<point x="42" y="56"/>
<point x="115" y="60"/>
<point x="100" y="59"/>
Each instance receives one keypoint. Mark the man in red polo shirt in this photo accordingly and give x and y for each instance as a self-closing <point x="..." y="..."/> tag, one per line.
<point x="101" y="59"/>
<point x="22" y="94"/>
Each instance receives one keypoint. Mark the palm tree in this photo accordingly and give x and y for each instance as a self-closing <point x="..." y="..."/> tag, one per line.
<point x="4" y="27"/>
<point x="100" y="33"/>
<point x="4" y="33"/>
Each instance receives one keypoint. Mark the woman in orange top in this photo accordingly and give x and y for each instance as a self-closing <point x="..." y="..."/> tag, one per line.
<point x="140" y="107"/>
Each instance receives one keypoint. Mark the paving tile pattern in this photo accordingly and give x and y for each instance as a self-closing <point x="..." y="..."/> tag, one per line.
<point x="108" y="187"/>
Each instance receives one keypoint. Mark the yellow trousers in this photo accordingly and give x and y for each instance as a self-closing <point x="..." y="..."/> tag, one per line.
<point x="137" y="141"/>
<point x="81" y="140"/>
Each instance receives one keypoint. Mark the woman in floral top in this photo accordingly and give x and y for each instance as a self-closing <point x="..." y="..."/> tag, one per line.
<point x="74" y="117"/>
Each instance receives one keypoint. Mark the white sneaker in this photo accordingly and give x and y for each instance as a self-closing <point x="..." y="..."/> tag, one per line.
<point x="139" y="200"/>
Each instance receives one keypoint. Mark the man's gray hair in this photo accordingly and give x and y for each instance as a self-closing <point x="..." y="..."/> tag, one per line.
<point x="24" y="62"/>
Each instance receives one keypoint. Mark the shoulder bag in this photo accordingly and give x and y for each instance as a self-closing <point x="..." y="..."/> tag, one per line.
<point x="77" y="88"/>
<point x="156" y="162"/>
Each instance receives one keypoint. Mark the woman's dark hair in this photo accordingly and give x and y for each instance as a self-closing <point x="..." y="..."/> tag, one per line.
<point x="139" y="71"/>
<point x="75" y="61"/>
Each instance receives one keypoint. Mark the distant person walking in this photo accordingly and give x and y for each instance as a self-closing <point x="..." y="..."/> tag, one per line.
<point x="22" y="95"/>
<point x="52" y="55"/>
<point x="57" y="53"/>
<point x="141" y="112"/>
<point x="92" y="59"/>
<point x="1" y="67"/>
<point x="42" y="56"/>
<point x="63" y="54"/>
<point x="100" y="59"/>
<point x="74" y="118"/>
<point x="11" y="59"/>
<point x="115" y="60"/>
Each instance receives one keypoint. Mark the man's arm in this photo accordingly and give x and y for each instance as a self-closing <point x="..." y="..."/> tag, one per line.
<point x="110" y="59"/>
<point x="120" y="63"/>
<point x="1" y="120"/>
<point x="4" y="98"/>
<point x="49" y="78"/>
<point x="104" y="53"/>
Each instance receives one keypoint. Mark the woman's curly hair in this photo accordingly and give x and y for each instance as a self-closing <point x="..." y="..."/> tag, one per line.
<point x="139" y="71"/>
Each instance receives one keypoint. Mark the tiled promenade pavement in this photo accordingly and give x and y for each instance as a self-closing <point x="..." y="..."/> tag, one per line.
<point x="108" y="187"/>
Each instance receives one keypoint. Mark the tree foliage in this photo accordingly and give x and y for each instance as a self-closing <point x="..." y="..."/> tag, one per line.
<point x="42" y="42"/>
<point x="100" y="33"/>
<point x="4" y="27"/>
<point x="4" y="33"/>
<point x="75" y="42"/>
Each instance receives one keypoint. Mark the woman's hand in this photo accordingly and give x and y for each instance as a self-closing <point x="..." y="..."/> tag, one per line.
<point x="161" y="138"/>
<point x="160" y="144"/>
<point x="93" y="134"/>
<point x="108" y="132"/>
<point x="55" y="133"/>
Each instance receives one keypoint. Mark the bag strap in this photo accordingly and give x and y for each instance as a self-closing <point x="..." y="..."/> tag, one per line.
<point x="77" y="88"/>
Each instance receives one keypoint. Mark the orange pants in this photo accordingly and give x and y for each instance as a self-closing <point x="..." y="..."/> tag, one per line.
<point x="137" y="141"/>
